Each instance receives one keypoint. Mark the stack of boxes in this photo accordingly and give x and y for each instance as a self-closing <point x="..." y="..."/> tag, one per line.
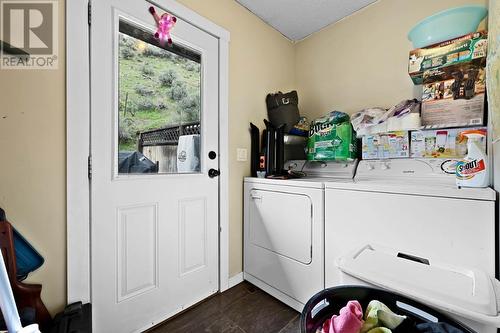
<point x="452" y="74"/>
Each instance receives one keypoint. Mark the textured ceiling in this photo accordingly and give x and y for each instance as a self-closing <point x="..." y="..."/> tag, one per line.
<point x="297" y="19"/>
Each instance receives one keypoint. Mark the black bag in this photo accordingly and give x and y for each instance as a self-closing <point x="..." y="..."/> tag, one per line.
<point x="76" y="318"/>
<point x="283" y="109"/>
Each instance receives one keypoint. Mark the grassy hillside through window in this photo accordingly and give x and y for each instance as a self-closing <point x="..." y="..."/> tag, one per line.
<point x="157" y="88"/>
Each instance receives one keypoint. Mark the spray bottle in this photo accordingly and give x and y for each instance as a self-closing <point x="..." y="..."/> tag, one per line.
<point x="473" y="170"/>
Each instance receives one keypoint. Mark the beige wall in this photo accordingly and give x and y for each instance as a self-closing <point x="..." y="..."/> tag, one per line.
<point x="32" y="168"/>
<point x="361" y="61"/>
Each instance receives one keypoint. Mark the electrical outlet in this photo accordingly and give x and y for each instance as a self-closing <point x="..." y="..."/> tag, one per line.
<point x="241" y="154"/>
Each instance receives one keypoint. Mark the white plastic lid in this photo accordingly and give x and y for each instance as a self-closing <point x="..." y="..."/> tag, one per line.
<point x="469" y="293"/>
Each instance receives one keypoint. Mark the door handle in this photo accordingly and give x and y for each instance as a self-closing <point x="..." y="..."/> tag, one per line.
<point x="213" y="173"/>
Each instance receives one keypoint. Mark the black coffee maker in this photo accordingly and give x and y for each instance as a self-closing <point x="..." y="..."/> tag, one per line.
<point x="270" y="155"/>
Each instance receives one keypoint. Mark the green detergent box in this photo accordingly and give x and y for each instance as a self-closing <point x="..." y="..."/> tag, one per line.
<point x="332" y="138"/>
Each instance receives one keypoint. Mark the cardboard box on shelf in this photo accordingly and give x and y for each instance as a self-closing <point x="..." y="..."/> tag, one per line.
<point x="454" y="96"/>
<point x="386" y="145"/>
<point x="455" y="51"/>
<point x="443" y="143"/>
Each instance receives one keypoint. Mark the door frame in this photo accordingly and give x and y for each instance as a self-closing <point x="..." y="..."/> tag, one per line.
<point x="78" y="249"/>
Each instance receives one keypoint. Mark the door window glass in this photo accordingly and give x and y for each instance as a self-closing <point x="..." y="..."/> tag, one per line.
<point x="159" y="104"/>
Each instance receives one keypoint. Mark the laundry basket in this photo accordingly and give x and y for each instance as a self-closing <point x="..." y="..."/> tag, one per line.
<point x="328" y="302"/>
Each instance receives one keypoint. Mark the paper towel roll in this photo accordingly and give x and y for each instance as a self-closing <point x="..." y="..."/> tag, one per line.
<point x="410" y="121"/>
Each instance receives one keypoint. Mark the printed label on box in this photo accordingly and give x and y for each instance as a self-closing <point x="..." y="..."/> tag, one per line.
<point x="386" y="145"/>
<point x="444" y="143"/>
<point x="454" y="96"/>
<point x="448" y="53"/>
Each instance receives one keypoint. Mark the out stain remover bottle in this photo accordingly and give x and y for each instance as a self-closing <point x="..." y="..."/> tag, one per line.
<point x="472" y="171"/>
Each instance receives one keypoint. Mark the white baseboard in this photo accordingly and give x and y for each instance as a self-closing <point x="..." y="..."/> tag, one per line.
<point x="234" y="280"/>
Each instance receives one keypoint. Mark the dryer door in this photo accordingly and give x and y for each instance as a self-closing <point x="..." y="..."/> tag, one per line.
<point x="283" y="241"/>
<point x="281" y="223"/>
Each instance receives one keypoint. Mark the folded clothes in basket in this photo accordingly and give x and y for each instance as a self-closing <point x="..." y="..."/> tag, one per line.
<point x="349" y="320"/>
<point x="378" y="319"/>
<point x="410" y="326"/>
<point x="377" y="314"/>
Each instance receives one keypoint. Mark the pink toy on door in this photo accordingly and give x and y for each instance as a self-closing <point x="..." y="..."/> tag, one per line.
<point x="164" y="25"/>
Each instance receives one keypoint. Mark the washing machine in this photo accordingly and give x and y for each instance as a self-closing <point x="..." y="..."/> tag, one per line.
<point x="284" y="230"/>
<point x="403" y="225"/>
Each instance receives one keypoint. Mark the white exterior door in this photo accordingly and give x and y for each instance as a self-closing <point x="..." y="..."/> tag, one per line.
<point x="154" y="208"/>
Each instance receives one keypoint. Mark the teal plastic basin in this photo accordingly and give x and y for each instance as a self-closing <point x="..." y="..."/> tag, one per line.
<point x="448" y="24"/>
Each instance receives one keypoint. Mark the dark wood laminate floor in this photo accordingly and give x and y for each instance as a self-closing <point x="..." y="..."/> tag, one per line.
<point x="241" y="309"/>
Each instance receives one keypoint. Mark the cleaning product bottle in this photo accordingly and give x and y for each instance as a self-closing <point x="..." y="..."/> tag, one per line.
<point x="473" y="170"/>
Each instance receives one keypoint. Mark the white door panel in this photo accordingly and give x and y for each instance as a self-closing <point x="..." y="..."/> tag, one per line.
<point x="192" y="235"/>
<point x="154" y="235"/>
<point x="137" y="250"/>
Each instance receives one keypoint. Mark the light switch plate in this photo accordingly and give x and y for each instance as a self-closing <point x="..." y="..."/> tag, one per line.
<point x="241" y="154"/>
